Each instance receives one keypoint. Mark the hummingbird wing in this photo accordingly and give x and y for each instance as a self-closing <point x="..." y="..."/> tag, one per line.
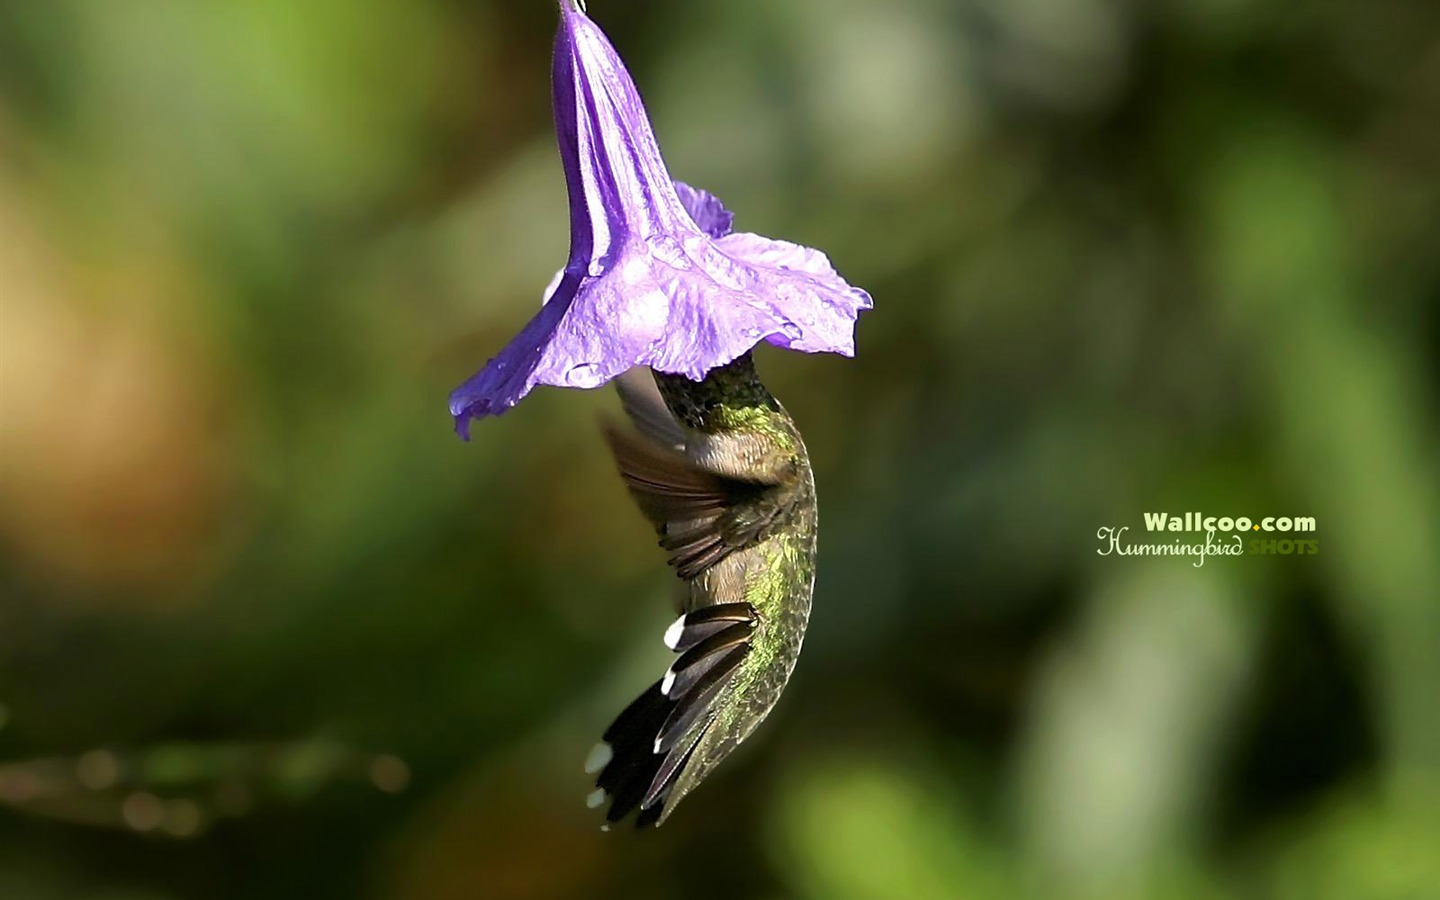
<point x="701" y="517"/>
<point x="641" y="400"/>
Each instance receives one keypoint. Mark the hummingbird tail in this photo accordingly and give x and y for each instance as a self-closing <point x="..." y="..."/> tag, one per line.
<point x="648" y="746"/>
<point x="626" y="758"/>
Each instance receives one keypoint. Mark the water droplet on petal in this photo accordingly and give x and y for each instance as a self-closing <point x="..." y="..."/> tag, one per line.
<point x="584" y="375"/>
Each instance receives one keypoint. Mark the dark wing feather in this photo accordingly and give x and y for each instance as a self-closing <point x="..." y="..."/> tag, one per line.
<point x="664" y="483"/>
<point x="697" y="548"/>
<point x="702" y="517"/>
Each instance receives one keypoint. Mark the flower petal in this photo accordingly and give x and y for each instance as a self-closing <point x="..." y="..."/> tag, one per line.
<point x="802" y="286"/>
<point x="706" y="209"/>
<point x="510" y="374"/>
<point x="681" y="305"/>
<point x="654" y="278"/>
<point x="617" y="180"/>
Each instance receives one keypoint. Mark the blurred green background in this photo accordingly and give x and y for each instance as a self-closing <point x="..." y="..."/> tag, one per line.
<point x="269" y="630"/>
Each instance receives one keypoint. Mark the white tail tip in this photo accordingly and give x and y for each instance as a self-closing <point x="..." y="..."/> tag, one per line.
<point x="672" y="634"/>
<point x="599" y="758"/>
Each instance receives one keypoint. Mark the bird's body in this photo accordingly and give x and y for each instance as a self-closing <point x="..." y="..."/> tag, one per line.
<point x="720" y="470"/>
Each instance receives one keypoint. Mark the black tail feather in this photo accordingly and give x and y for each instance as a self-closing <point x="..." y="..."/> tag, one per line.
<point x="646" y="748"/>
<point x="633" y="762"/>
<point x="694" y="663"/>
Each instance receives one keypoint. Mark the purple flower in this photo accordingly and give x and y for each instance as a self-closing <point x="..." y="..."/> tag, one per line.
<point x="655" y="278"/>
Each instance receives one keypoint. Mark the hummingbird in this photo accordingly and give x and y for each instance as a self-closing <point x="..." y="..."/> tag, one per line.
<point x="719" y="468"/>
